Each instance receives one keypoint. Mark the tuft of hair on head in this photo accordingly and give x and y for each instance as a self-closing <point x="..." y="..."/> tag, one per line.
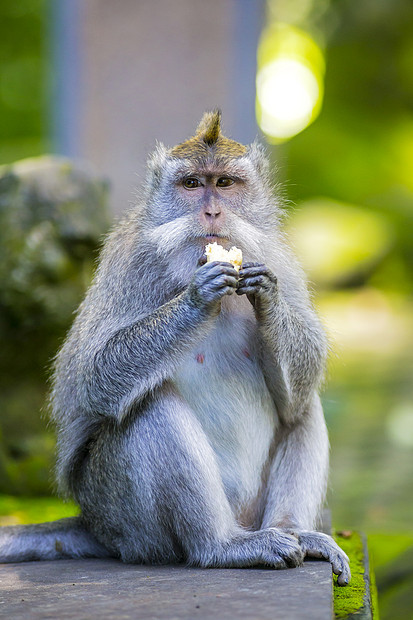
<point x="209" y="128"/>
<point x="208" y="140"/>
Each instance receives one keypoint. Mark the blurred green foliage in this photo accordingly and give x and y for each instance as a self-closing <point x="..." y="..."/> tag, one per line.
<point x="360" y="149"/>
<point x="392" y="559"/>
<point x="52" y="216"/>
<point x="24" y="79"/>
<point x="20" y="510"/>
<point x="351" y="241"/>
<point x="349" y="176"/>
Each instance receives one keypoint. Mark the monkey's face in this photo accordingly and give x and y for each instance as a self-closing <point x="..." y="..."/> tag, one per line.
<point x="209" y="188"/>
<point x="196" y="203"/>
<point x="210" y="197"/>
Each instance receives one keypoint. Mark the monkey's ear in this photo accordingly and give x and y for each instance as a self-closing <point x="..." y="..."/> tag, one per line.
<point x="156" y="164"/>
<point x="258" y="156"/>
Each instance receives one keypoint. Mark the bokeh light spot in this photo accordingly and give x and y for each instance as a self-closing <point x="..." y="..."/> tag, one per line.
<point x="288" y="92"/>
<point x="338" y="242"/>
<point x="400" y="424"/>
<point x="289" y="82"/>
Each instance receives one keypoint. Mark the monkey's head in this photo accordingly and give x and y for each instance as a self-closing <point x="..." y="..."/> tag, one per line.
<point x="209" y="188"/>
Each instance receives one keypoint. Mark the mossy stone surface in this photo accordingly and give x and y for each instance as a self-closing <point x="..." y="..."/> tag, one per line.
<point x="358" y="599"/>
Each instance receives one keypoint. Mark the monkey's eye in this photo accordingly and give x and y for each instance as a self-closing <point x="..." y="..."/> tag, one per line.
<point x="191" y="183"/>
<point x="224" y="182"/>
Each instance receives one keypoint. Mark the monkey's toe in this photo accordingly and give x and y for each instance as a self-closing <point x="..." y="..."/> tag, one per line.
<point x="288" y="548"/>
<point x="288" y="559"/>
<point x="319" y="545"/>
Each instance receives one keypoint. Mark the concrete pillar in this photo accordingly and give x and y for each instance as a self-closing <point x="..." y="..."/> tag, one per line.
<point x="136" y="71"/>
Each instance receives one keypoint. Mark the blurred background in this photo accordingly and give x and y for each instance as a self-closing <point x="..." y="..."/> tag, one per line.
<point x="86" y="88"/>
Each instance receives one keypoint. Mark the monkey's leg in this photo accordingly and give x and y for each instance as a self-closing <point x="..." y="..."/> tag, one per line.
<point x="296" y="488"/>
<point x="151" y="492"/>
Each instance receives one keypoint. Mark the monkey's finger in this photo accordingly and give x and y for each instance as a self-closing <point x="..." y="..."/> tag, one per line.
<point x="224" y="290"/>
<point x="224" y="280"/>
<point x="212" y="293"/>
<point x="260" y="281"/>
<point x="248" y="290"/>
<point x="257" y="270"/>
<point x="345" y="576"/>
<point x="341" y="568"/>
<point x="251" y="264"/>
<point x="202" y="260"/>
<point x="229" y="290"/>
<point x="215" y="287"/>
<point x="246" y="284"/>
<point x="215" y="268"/>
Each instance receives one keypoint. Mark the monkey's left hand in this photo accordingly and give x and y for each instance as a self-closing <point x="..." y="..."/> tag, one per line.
<point x="259" y="284"/>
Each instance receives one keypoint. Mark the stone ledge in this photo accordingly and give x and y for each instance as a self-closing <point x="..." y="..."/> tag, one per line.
<point x="85" y="589"/>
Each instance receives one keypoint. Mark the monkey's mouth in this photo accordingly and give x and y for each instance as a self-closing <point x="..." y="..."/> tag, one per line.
<point x="215" y="237"/>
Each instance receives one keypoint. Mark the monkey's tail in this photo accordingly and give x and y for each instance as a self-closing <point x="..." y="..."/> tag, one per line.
<point x="66" y="538"/>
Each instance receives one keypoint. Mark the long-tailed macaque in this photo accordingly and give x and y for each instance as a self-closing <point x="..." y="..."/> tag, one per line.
<point x="185" y="396"/>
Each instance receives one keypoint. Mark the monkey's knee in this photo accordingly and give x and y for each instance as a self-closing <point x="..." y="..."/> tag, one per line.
<point x="153" y="491"/>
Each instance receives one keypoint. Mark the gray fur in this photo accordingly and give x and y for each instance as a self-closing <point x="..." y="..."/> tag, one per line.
<point x="189" y="423"/>
<point x="66" y="538"/>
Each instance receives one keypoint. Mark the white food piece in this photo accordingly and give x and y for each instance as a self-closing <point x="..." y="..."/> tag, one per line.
<point x="214" y="251"/>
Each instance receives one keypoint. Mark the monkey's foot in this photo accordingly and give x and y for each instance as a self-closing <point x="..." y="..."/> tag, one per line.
<point x="279" y="550"/>
<point x="318" y="545"/>
<point x="269" y="547"/>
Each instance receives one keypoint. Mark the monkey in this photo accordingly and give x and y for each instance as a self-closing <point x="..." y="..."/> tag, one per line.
<point x="186" y="395"/>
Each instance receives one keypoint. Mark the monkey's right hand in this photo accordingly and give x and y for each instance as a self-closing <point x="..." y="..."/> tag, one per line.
<point x="210" y="283"/>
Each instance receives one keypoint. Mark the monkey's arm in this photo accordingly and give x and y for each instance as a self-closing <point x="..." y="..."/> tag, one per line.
<point x="298" y="478"/>
<point x="293" y="351"/>
<point x="293" y="345"/>
<point x="138" y="357"/>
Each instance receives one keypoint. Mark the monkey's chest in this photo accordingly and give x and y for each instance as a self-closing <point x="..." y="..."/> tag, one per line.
<point x="223" y="384"/>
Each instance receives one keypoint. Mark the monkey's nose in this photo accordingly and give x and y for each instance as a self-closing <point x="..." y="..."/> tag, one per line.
<point x="212" y="212"/>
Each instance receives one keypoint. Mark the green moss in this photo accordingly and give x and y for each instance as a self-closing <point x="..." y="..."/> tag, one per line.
<point x="17" y="510"/>
<point x="374" y="595"/>
<point x="349" y="599"/>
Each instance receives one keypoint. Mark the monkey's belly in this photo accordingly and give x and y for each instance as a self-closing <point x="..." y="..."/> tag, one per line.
<point x="226" y="390"/>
